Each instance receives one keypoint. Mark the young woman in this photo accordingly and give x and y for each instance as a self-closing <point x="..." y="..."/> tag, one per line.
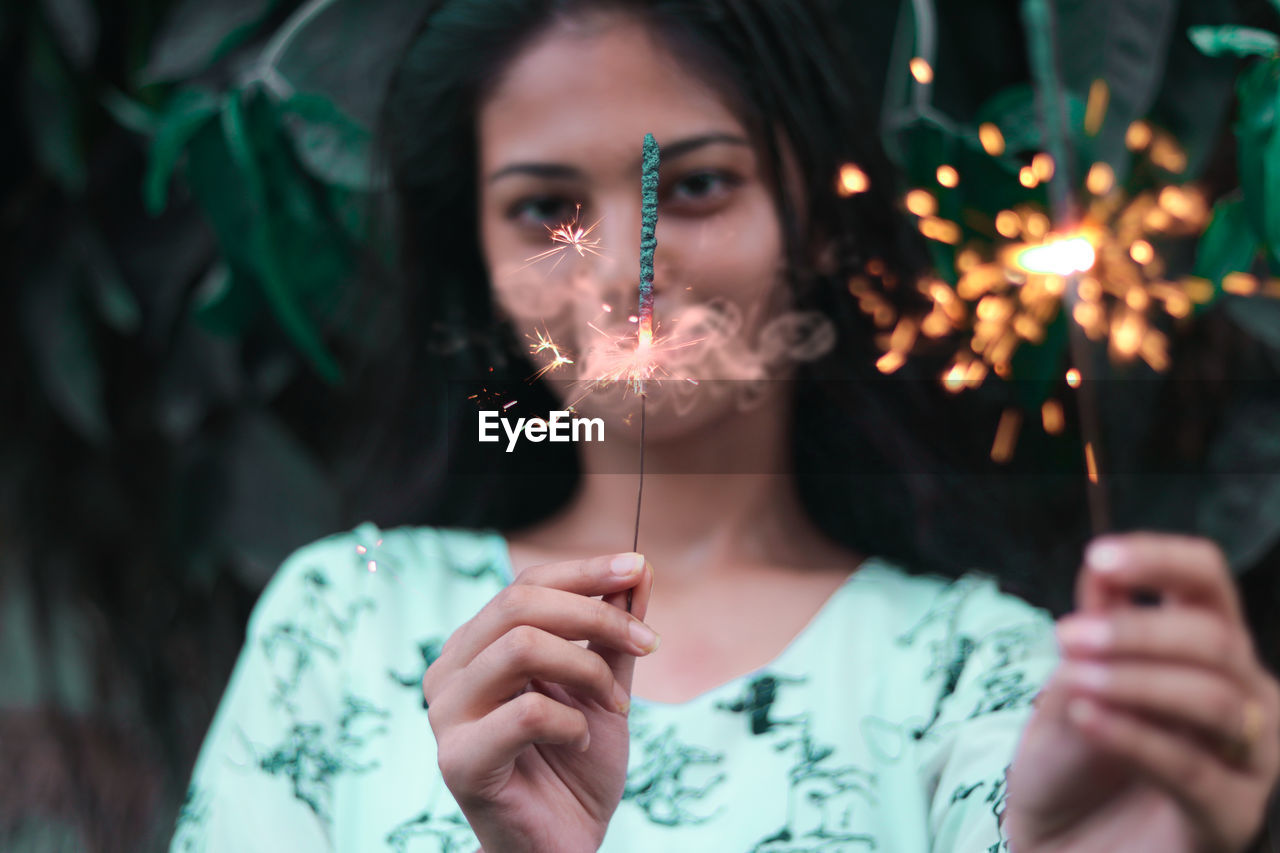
<point x="430" y="688"/>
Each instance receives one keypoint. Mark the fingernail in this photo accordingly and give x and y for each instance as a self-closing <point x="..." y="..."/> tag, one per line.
<point x="586" y="742"/>
<point x="1081" y="711"/>
<point x="1085" y="633"/>
<point x="621" y="698"/>
<point x="644" y="636"/>
<point x="626" y="565"/>
<point x="1091" y="675"/>
<point x="1105" y="556"/>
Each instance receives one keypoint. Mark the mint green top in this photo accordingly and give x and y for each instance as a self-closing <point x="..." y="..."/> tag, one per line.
<point x="887" y="724"/>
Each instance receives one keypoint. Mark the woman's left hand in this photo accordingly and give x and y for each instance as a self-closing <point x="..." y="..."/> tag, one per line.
<point x="1160" y="730"/>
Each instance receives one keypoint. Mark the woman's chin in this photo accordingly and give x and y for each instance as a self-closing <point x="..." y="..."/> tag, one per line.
<point x="672" y="408"/>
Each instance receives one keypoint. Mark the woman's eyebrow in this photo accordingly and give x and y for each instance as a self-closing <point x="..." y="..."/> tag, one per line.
<point x="684" y="146"/>
<point x="671" y="150"/>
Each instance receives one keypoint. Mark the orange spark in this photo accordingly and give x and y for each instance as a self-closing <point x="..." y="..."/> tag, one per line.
<point x="568" y="235"/>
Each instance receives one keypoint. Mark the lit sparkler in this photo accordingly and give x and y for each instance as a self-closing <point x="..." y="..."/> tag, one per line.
<point x="485" y="398"/>
<point x="566" y="236"/>
<point x="622" y="359"/>
<point x="542" y="343"/>
<point x="644" y="326"/>
<point x="1100" y="266"/>
<point x="648" y="239"/>
<point x="633" y="358"/>
<point x="1011" y="299"/>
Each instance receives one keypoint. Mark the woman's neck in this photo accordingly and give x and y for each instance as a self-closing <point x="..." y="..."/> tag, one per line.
<point x="740" y="508"/>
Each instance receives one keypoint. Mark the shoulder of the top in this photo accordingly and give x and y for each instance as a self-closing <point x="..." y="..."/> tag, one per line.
<point x="405" y="553"/>
<point x="975" y="597"/>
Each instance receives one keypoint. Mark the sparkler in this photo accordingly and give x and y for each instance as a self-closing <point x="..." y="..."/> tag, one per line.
<point x="1095" y="262"/>
<point x="566" y="236"/>
<point x="542" y="343"/>
<point x="644" y="327"/>
<point x="624" y="361"/>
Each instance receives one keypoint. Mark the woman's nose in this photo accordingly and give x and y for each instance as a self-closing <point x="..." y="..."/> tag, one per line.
<point x="618" y="268"/>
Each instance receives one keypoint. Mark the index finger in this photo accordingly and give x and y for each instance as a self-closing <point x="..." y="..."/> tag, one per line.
<point x="1190" y="568"/>
<point x="605" y="575"/>
<point x="591" y="577"/>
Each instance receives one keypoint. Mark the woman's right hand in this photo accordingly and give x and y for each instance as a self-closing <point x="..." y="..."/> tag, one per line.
<point x="531" y="727"/>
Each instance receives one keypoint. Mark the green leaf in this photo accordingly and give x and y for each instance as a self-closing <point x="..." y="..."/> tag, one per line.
<point x="1234" y="41"/>
<point x="201" y="371"/>
<point x="1123" y="43"/>
<point x="75" y="24"/>
<point x="115" y="302"/>
<point x="368" y="34"/>
<point x="277" y="228"/>
<point x="1257" y="91"/>
<point x="1195" y="91"/>
<point x="285" y="251"/>
<point x="128" y="113"/>
<point x="183" y="117"/>
<point x="1257" y="315"/>
<point x="199" y="32"/>
<point x="50" y="102"/>
<point x="221" y="193"/>
<point x="335" y="148"/>
<point x="1228" y="245"/>
<point x="1015" y="111"/>
<point x="1270" y="191"/>
<point x="60" y="340"/>
<point x="225" y="304"/>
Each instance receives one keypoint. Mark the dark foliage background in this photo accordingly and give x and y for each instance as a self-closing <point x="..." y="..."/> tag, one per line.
<point x="183" y="197"/>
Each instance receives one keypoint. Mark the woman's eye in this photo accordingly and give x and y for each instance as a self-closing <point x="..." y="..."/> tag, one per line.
<point x="702" y="188"/>
<point x="539" y="211"/>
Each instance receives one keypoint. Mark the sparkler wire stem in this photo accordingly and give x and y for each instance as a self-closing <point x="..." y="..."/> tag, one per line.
<point x="1038" y="21"/>
<point x="635" y="540"/>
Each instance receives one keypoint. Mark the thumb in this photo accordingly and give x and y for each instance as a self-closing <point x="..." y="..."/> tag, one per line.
<point x="623" y="663"/>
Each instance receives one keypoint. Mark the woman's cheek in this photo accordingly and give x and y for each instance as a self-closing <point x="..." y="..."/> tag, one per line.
<point x="745" y="265"/>
<point x="527" y="294"/>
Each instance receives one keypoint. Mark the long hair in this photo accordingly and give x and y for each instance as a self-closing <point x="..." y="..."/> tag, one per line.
<point x="867" y="450"/>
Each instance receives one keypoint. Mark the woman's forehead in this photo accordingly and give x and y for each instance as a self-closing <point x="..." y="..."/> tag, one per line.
<point x="590" y="94"/>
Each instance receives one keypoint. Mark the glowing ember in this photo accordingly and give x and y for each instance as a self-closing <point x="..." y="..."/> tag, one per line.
<point x="1142" y="252"/>
<point x="921" y="70"/>
<point x="1052" y="417"/>
<point x="991" y="138"/>
<point x="1240" y="284"/>
<point x="1006" y="436"/>
<point x="852" y="180"/>
<point x="1059" y="257"/>
<point x="1042" y="167"/>
<point x="1096" y="107"/>
<point x="569" y="235"/>
<point x="1101" y="179"/>
<point x="1138" y="136"/>
<point x="921" y="203"/>
<point x="543" y="343"/>
<point x="1008" y="224"/>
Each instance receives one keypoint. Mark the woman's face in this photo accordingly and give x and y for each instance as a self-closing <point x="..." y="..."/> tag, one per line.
<point x="560" y="139"/>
